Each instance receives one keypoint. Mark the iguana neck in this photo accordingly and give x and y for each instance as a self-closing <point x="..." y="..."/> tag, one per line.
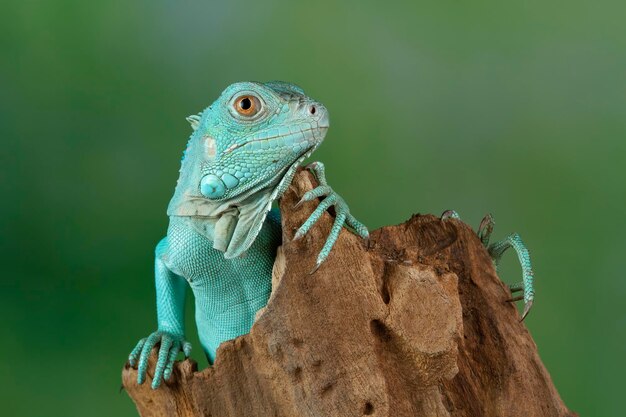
<point x="231" y="224"/>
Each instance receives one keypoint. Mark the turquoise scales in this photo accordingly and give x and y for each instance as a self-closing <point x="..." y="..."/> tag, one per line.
<point x="223" y="234"/>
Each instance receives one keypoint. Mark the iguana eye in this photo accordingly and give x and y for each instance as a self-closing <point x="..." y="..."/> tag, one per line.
<point x="247" y="105"/>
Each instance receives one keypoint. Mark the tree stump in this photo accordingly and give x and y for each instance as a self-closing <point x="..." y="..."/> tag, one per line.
<point x="412" y="323"/>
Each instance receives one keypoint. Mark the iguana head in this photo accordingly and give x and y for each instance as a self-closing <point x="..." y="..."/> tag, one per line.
<point x="247" y="139"/>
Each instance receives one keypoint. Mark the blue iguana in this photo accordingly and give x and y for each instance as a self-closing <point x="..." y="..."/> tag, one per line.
<point x="223" y="233"/>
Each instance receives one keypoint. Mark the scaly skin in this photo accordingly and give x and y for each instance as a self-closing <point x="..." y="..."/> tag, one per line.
<point x="223" y="234"/>
<point x="497" y="249"/>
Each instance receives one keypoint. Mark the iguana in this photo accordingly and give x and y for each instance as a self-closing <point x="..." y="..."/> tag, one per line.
<point x="223" y="233"/>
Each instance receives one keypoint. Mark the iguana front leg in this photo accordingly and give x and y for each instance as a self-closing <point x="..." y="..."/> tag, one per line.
<point x="170" y="337"/>
<point x="332" y="199"/>
<point x="497" y="249"/>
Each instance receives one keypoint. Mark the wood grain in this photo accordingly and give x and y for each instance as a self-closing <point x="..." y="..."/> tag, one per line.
<point x="412" y="323"/>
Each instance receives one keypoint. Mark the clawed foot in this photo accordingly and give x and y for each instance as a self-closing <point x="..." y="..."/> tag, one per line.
<point x="497" y="249"/>
<point x="170" y="346"/>
<point x="331" y="199"/>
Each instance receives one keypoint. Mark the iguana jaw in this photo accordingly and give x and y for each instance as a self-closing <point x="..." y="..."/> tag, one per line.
<point x="312" y="139"/>
<point x="299" y="136"/>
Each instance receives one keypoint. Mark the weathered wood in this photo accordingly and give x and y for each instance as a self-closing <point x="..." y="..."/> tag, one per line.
<point x="412" y="323"/>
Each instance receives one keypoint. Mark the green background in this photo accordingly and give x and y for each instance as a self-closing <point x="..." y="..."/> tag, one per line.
<point x="514" y="108"/>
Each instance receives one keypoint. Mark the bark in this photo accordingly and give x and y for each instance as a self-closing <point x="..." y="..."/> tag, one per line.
<point x="412" y="323"/>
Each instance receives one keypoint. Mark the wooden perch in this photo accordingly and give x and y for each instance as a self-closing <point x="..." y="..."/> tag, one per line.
<point x="413" y="323"/>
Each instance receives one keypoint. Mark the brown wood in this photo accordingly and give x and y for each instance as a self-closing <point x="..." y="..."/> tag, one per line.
<point x="412" y="323"/>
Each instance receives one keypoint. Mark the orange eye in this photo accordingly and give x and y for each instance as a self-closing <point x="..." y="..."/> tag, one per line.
<point x="247" y="105"/>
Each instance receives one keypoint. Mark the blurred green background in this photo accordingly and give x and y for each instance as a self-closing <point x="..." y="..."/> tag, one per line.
<point x="514" y="108"/>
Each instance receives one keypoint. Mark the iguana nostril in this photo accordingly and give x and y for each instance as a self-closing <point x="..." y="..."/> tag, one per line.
<point x="312" y="110"/>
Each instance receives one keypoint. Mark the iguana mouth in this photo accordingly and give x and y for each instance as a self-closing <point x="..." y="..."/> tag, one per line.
<point x="268" y="139"/>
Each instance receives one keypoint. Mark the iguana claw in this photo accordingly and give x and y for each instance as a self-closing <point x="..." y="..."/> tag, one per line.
<point x="450" y="214"/>
<point x="485" y="229"/>
<point x="527" y="306"/>
<point x="332" y="199"/>
<point x="497" y="249"/>
<point x="169" y="346"/>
